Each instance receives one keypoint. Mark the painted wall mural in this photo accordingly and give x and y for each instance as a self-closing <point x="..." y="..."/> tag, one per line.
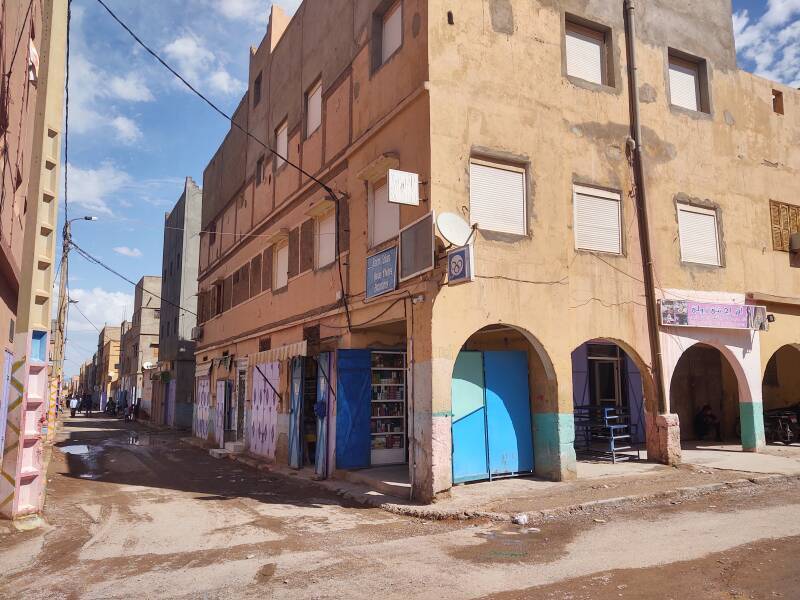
<point x="262" y="427"/>
<point x="219" y="414"/>
<point x="202" y="409"/>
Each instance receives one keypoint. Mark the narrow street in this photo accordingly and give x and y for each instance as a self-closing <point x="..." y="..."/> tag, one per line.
<point x="135" y="513"/>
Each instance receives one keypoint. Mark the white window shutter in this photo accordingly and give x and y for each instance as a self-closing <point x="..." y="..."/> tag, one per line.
<point x="282" y="143"/>
<point x="314" y="109"/>
<point x="684" y="85"/>
<point x="385" y="218"/>
<point x="497" y="198"/>
<point x="392" y="32"/>
<point x="585" y="54"/>
<point x="326" y="242"/>
<point x="698" y="235"/>
<point x="281" y="267"/>
<point x="598" y="222"/>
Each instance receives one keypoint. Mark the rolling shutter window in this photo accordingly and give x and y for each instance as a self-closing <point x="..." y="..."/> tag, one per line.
<point x="497" y="198"/>
<point x="326" y="240"/>
<point x="282" y="144"/>
<point x="585" y="49"/>
<point x="597" y="220"/>
<point x="684" y="84"/>
<point x="384" y="217"/>
<point x="281" y="267"/>
<point x="314" y="109"/>
<point x="699" y="235"/>
<point x="392" y="37"/>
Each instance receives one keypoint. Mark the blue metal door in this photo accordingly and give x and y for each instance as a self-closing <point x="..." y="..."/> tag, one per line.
<point x="322" y="409"/>
<point x="508" y="412"/>
<point x="470" y="451"/>
<point x="353" y="409"/>
<point x="295" y="414"/>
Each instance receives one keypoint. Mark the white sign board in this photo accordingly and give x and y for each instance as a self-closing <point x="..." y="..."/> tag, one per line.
<point x="403" y="188"/>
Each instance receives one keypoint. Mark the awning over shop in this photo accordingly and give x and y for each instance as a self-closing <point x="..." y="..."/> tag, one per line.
<point x="281" y="353"/>
<point x="202" y="370"/>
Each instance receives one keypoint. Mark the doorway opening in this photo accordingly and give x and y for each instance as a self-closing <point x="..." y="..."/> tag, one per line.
<point x="608" y="402"/>
<point x="780" y="394"/>
<point x="704" y="393"/>
<point x="492" y="431"/>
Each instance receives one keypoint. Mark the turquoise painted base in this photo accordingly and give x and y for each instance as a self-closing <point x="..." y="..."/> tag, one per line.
<point x="751" y="417"/>
<point x="554" y="445"/>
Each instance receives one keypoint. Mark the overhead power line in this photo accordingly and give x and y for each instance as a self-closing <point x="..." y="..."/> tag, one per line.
<point x="332" y="195"/>
<point x="87" y="318"/>
<point x="100" y="263"/>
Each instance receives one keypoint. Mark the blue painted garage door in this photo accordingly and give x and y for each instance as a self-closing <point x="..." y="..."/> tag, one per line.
<point x="491" y="416"/>
<point x="470" y="452"/>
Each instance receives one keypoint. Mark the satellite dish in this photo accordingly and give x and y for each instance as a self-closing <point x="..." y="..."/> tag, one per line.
<point x="454" y="229"/>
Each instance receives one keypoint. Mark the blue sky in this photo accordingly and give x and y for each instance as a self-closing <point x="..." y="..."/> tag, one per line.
<point x="135" y="134"/>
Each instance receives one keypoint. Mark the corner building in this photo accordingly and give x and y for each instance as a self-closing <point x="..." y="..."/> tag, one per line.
<point x="517" y="116"/>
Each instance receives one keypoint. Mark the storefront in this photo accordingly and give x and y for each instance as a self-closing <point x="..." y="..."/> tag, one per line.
<point x="372" y="408"/>
<point x="712" y="365"/>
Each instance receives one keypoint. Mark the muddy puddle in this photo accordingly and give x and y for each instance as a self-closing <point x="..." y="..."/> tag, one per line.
<point x="513" y="543"/>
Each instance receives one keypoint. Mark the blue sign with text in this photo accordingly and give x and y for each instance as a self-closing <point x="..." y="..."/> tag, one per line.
<point x="382" y="273"/>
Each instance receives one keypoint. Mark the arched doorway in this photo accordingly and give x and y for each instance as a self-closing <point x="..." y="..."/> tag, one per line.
<point x="497" y="373"/>
<point x="608" y="402"/>
<point x="704" y="393"/>
<point x="780" y="394"/>
<point x="781" y="383"/>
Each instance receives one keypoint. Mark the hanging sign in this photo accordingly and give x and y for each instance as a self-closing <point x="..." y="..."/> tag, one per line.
<point x="686" y="313"/>
<point x="460" y="265"/>
<point x="403" y="188"/>
<point x="382" y="273"/>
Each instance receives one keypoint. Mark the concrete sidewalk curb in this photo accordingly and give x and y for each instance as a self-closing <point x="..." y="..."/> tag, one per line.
<point x="362" y="495"/>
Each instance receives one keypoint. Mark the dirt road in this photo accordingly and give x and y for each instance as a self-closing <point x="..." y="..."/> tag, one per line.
<point x="137" y="514"/>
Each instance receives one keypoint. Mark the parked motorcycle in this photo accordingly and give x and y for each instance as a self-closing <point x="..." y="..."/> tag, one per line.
<point x="781" y="425"/>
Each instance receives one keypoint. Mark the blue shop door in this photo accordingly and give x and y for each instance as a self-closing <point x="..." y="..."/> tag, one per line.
<point x="295" y="414"/>
<point x="353" y="408"/>
<point x="470" y="451"/>
<point x="321" y="409"/>
<point x="508" y="413"/>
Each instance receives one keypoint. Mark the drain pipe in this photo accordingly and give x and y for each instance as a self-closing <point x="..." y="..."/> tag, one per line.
<point x="641" y="205"/>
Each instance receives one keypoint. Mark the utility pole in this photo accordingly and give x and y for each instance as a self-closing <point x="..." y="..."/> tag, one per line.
<point x="63" y="307"/>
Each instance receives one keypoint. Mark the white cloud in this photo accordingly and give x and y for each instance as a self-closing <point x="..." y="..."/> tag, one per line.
<point x="100" y="306"/>
<point x="200" y="66"/>
<point x="129" y="252"/>
<point x="190" y="55"/>
<point x="127" y="130"/>
<point x="772" y="41"/>
<point x="223" y="82"/>
<point x="91" y="188"/>
<point x="242" y="9"/>
<point x="131" y="87"/>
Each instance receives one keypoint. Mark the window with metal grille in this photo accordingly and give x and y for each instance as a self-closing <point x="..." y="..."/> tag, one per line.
<point x="785" y="222"/>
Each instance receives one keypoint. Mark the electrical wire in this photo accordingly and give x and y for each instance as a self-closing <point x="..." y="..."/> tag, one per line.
<point x="100" y="263"/>
<point x="66" y="116"/>
<point x="19" y="39"/>
<point x="78" y="308"/>
<point x="328" y="190"/>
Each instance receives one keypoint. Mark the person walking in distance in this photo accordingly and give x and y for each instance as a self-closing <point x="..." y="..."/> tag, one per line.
<point x="73" y="406"/>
